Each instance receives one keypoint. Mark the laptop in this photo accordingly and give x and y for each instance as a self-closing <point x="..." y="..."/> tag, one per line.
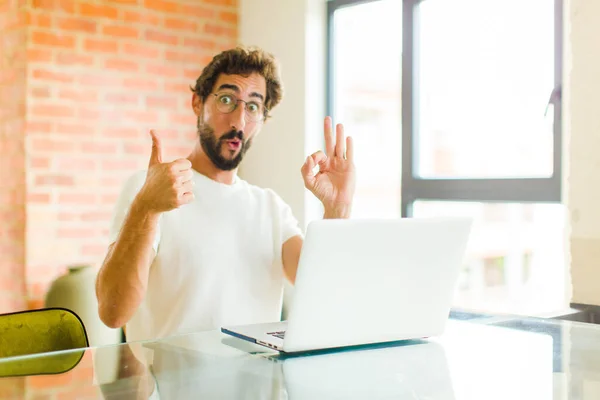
<point x="368" y="281"/>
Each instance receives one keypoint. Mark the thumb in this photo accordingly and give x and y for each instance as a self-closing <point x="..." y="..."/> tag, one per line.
<point x="156" y="155"/>
<point x="307" y="172"/>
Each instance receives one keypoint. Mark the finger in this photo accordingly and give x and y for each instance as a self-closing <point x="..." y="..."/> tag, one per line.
<point x="307" y="172"/>
<point x="182" y="180"/>
<point x="186" y="198"/>
<point x="318" y="158"/>
<point x="308" y="166"/>
<point x="156" y="154"/>
<point x="183" y="164"/>
<point x="328" y="132"/>
<point x="349" y="148"/>
<point x="184" y="176"/>
<point x="339" y="141"/>
<point x="187" y="187"/>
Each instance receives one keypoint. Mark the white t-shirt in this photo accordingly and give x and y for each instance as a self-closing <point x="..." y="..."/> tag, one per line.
<point x="218" y="259"/>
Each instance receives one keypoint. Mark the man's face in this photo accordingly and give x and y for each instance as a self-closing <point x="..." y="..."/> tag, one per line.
<point x="226" y="136"/>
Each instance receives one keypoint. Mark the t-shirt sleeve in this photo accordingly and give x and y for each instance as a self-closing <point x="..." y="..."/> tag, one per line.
<point x="128" y="192"/>
<point x="288" y="224"/>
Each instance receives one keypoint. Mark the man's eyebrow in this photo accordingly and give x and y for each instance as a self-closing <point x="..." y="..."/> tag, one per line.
<point x="229" y="86"/>
<point x="255" y="94"/>
<point x="237" y="90"/>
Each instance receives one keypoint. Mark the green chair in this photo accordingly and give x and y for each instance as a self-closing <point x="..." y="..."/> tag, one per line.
<point x="41" y="331"/>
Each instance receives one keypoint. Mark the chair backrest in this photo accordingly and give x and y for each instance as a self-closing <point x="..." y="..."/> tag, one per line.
<point x="41" y="331"/>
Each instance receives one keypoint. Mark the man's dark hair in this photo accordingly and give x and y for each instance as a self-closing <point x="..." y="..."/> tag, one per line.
<point x="242" y="61"/>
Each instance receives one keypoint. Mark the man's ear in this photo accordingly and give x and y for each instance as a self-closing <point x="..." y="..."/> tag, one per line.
<point x="197" y="104"/>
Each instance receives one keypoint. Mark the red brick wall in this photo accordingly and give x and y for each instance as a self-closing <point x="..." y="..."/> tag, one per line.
<point x="12" y="155"/>
<point x="81" y="84"/>
<point x="100" y="74"/>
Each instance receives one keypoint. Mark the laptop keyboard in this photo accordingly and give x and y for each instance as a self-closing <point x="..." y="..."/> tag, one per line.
<point x="279" y="335"/>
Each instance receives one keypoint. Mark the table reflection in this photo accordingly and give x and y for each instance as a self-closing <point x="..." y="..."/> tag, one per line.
<point x="518" y="359"/>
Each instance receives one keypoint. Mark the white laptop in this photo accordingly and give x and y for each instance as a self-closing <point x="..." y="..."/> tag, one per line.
<point x="368" y="281"/>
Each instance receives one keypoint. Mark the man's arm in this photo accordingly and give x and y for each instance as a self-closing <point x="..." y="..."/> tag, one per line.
<point x="333" y="185"/>
<point x="123" y="278"/>
<point x="290" y="255"/>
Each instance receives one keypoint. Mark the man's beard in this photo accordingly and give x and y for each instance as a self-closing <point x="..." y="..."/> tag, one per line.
<point x="212" y="146"/>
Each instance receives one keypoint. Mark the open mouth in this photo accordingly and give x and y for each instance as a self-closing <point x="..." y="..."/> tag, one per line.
<point x="233" y="144"/>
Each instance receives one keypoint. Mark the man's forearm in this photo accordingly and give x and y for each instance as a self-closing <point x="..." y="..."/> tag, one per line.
<point x="123" y="278"/>
<point x="339" y="211"/>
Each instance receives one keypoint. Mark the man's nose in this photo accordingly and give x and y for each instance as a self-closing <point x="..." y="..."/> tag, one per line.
<point x="238" y="117"/>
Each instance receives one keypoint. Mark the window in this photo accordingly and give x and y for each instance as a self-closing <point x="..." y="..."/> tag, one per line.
<point x="455" y="108"/>
<point x="368" y="103"/>
<point x="514" y="260"/>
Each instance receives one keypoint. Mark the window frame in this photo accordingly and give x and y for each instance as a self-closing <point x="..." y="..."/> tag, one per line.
<point x="414" y="188"/>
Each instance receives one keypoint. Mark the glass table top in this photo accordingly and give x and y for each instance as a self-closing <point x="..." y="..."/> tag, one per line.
<point x="478" y="357"/>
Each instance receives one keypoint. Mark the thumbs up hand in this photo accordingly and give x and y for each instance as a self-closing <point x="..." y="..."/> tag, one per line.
<point x="168" y="185"/>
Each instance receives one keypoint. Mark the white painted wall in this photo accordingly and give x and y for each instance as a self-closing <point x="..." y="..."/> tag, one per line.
<point x="295" y="32"/>
<point x="582" y="146"/>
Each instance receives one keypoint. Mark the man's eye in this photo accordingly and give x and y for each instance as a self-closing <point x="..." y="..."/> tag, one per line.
<point x="226" y="99"/>
<point x="253" y="107"/>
